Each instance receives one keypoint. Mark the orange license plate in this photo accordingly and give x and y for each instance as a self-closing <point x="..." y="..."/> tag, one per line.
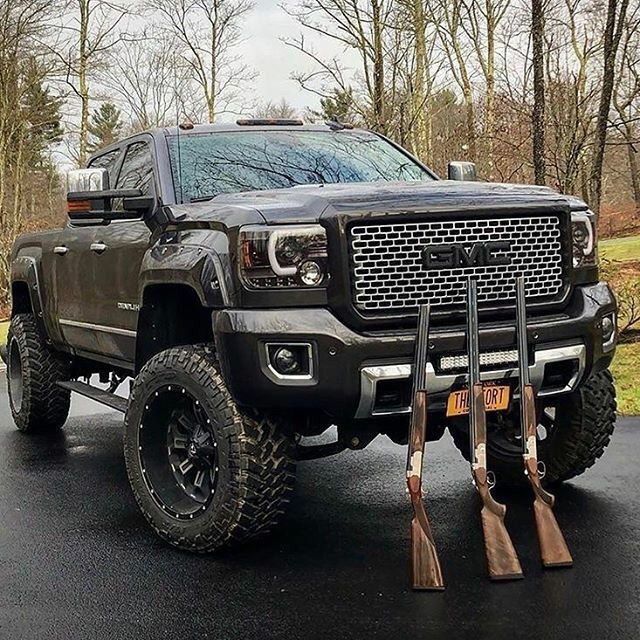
<point x="496" y="398"/>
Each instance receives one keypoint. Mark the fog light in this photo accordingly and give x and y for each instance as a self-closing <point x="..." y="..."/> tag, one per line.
<point x="607" y="328"/>
<point x="609" y="332"/>
<point x="310" y="273"/>
<point x="290" y="360"/>
<point x="286" y="362"/>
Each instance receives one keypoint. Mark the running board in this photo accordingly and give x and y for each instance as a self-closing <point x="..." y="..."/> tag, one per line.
<point x="99" y="395"/>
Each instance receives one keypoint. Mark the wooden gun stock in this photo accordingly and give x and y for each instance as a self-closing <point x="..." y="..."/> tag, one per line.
<point x="426" y="573"/>
<point x="553" y="547"/>
<point x="502" y="559"/>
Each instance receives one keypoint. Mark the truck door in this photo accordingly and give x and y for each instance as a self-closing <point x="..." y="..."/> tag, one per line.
<point x="118" y="250"/>
<point x="72" y="277"/>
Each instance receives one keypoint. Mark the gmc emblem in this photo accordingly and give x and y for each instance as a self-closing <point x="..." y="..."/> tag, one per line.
<point x="480" y="254"/>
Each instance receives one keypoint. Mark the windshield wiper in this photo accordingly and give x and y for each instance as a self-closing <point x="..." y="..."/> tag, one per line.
<point x="202" y="198"/>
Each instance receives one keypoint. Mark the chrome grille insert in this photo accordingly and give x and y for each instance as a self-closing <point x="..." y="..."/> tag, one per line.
<point x="388" y="272"/>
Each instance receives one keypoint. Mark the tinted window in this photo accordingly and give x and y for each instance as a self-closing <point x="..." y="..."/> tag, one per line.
<point x="108" y="161"/>
<point x="137" y="168"/>
<point x="227" y="162"/>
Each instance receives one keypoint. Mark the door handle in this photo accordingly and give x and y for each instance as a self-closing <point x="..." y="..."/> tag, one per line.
<point x="98" y="247"/>
<point x="61" y="250"/>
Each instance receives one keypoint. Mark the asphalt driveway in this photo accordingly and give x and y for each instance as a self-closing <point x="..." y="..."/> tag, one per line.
<point x="78" y="561"/>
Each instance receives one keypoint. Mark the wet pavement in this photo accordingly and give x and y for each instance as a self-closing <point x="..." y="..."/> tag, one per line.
<point x="78" y="561"/>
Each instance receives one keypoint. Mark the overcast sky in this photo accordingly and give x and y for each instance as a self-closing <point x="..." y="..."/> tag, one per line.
<point x="275" y="61"/>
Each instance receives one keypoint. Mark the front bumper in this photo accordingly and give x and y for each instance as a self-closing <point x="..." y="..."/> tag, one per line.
<point x="355" y="375"/>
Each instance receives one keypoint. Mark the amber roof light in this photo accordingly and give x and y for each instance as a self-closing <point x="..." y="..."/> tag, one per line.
<point x="266" y="122"/>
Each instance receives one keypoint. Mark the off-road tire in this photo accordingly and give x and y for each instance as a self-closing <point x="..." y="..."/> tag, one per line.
<point x="37" y="403"/>
<point x="585" y="421"/>
<point x="256" y="468"/>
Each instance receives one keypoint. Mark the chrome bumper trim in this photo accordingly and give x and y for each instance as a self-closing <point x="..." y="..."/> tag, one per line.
<point x="440" y="383"/>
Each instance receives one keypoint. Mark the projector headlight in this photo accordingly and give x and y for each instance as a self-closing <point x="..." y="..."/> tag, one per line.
<point x="283" y="257"/>
<point x="585" y="246"/>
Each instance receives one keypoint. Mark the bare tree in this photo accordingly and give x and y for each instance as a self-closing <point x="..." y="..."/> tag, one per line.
<point x="149" y="82"/>
<point x="626" y="99"/>
<point x="449" y="15"/>
<point x="204" y="35"/>
<point x="572" y="47"/>
<point x="616" y="17"/>
<point x="537" y="121"/>
<point x="481" y="22"/>
<point x="88" y="31"/>
<point x="419" y="62"/>
<point x="362" y="26"/>
<point x="278" y="110"/>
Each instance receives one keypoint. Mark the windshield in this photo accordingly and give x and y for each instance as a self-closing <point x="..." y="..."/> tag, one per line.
<point x="227" y="162"/>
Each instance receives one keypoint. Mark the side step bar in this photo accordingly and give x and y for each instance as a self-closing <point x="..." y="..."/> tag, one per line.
<point x="99" y="395"/>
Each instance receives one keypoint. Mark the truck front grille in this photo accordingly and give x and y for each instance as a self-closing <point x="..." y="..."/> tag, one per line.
<point x="388" y="272"/>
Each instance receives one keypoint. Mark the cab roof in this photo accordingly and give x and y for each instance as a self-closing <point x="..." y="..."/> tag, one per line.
<point x="252" y="124"/>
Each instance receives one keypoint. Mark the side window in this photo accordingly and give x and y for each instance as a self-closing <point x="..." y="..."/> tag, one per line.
<point x="137" y="168"/>
<point x="136" y="171"/>
<point x="108" y="161"/>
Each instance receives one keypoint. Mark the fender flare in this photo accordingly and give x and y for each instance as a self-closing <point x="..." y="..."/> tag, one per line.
<point x="197" y="267"/>
<point x="25" y="269"/>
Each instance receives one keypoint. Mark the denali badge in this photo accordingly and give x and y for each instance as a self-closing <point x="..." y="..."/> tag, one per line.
<point x="480" y="254"/>
<point x="129" y="306"/>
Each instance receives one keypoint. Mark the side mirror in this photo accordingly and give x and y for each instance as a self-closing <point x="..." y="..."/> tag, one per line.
<point x="89" y="198"/>
<point x="87" y="180"/>
<point x="463" y="171"/>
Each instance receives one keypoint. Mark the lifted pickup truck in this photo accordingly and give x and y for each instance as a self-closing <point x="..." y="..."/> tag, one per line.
<point x="260" y="282"/>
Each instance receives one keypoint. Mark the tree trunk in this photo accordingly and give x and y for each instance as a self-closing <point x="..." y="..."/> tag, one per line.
<point x="612" y="35"/>
<point x="538" y="116"/>
<point x="471" y="124"/>
<point x="379" y="110"/>
<point x="491" y="85"/>
<point x="634" y="171"/>
<point x="421" y="137"/>
<point x="83" y="87"/>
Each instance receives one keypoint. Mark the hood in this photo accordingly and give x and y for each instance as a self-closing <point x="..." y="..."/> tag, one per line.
<point x="314" y="202"/>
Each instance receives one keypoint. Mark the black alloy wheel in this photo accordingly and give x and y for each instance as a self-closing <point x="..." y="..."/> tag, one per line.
<point x="178" y="452"/>
<point x="205" y="472"/>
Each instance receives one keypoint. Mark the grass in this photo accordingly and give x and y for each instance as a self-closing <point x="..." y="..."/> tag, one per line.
<point x="4" y="327"/>
<point x="620" y="248"/>
<point x="625" y="367"/>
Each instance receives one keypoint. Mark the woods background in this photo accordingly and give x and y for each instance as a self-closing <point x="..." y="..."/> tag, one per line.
<point x="531" y="90"/>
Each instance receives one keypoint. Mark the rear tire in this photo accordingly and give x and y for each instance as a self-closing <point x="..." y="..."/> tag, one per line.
<point x="204" y="473"/>
<point x="37" y="403"/>
<point x="583" y="423"/>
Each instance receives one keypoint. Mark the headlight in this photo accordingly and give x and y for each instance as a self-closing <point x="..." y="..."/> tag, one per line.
<point x="583" y="230"/>
<point x="286" y="256"/>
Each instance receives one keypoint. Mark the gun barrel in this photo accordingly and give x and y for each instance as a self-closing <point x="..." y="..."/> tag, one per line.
<point x="421" y="350"/>
<point x="472" y="332"/>
<point x="521" y="325"/>
<point x="418" y="396"/>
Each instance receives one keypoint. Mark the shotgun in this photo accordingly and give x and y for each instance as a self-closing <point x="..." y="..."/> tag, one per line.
<point x="553" y="548"/>
<point x="502" y="560"/>
<point x="426" y="573"/>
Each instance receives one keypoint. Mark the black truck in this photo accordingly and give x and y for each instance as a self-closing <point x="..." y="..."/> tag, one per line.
<point x="257" y="283"/>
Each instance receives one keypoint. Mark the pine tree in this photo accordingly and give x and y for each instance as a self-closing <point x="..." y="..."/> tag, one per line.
<point x="41" y="115"/>
<point x="339" y="106"/>
<point x="105" y="126"/>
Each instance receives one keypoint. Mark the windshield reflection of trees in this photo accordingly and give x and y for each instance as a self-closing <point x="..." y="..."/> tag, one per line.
<point x="226" y="163"/>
